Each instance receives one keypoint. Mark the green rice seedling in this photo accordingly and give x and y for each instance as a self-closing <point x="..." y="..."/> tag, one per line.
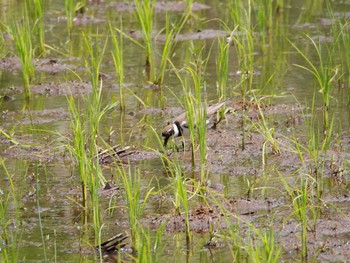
<point x="144" y="250"/>
<point x="222" y="68"/>
<point x="77" y="145"/>
<point x="343" y="48"/>
<point x="21" y="34"/>
<point x="149" y="246"/>
<point x="9" y="137"/>
<point x="324" y="74"/>
<point x="264" y="11"/>
<point x="38" y="17"/>
<point x="179" y="185"/>
<point x="118" y="59"/>
<point x="317" y="147"/>
<point x="180" y="196"/>
<point x="37" y="192"/>
<point x="85" y="132"/>
<point x="135" y="207"/>
<point x="10" y="223"/>
<point x="262" y="245"/>
<point x="69" y="9"/>
<point x="167" y="50"/>
<point x="265" y="249"/>
<point x="145" y="14"/>
<point x="83" y="148"/>
<point x="240" y="14"/>
<point x="242" y="40"/>
<point x="195" y="108"/>
<point x="196" y="117"/>
<point x="300" y="202"/>
<point x="268" y="133"/>
<point x="201" y="123"/>
<point x="171" y="31"/>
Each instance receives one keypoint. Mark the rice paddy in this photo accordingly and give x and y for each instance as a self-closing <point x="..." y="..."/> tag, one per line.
<point x="86" y="88"/>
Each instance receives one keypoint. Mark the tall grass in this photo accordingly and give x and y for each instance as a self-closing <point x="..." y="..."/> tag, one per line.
<point x="200" y="120"/>
<point x="83" y="148"/>
<point x="194" y="92"/>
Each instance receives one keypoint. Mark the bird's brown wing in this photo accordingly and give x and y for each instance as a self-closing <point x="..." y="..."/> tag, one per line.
<point x="180" y="118"/>
<point x="212" y="109"/>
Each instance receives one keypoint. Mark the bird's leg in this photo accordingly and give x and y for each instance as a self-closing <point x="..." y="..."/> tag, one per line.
<point x="221" y="116"/>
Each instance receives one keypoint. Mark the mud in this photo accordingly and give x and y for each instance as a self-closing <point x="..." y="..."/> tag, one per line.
<point x="326" y="239"/>
<point x="160" y="6"/>
<point x="48" y="65"/>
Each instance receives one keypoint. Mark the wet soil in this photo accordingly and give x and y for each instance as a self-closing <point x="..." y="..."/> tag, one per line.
<point x="326" y="238"/>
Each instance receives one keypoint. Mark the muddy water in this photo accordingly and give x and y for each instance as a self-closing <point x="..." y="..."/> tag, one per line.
<point x="44" y="177"/>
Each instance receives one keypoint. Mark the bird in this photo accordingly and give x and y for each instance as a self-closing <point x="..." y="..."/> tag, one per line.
<point x="179" y="126"/>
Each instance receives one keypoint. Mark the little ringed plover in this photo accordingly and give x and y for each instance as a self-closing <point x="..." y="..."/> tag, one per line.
<point x="179" y="126"/>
